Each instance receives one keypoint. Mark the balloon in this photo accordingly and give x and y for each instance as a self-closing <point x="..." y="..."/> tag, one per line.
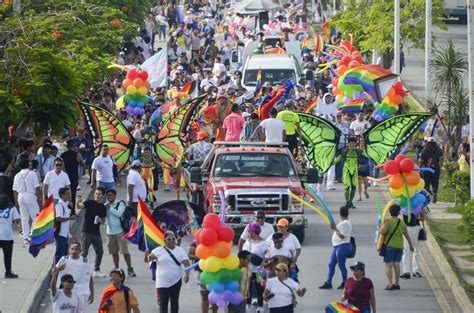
<point x="395" y="181"/>
<point x="142" y="90"/>
<point x="213" y="264"/>
<point x="420" y="185"/>
<point x="132" y="74"/>
<point x="402" y="201"/>
<point x="202" y="265"/>
<point x="391" y="167"/>
<point x="227" y="295"/>
<point x="131" y="90"/>
<point x="208" y="237"/>
<point x="126" y="82"/>
<point x="341" y="69"/>
<point x="196" y="235"/>
<point x="138" y="82"/>
<point x="225" y="233"/>
<point x="237" y="298"/>
<point x="411" y="191"/>
<point x="224" y="276"/>
<point x="212" y="221"/>
<point x="407" y="165"/>
<point x="416" y="210"/>
<point x="345" y="60"/>
<point x="129" y="110"/>
<point x="412" y="178"/>
<point x="143" y="75"/>
<point x="222" y="249"/>
<point x="399" y="158"/>
<point x="336" y="90"/>
<point x="232" y="286"/>
<point x="231" y="262"/>
<point x="397" y="99"/>
<point x="214" y="297"/>
<point x="397" y="192"/>
<point x="208" y="278"/>
<point x="119" y="103"/>
<point x="236" y="274"/>
<point x="353" y="63"/>
<point x="221" y="304"/>
<point x="391" y="93"/>
<point x="216" y="287"/>
<point x="335" y="81"/>
<point x="147" y="84"/>
<point x="127" y="98"/>
<point x="204" y="252"/>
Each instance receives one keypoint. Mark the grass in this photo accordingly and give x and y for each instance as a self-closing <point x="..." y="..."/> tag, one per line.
<point x="469" y="258"/>
<point x="446" y="192"/>
<point x="447" y="231"/>
<point x="455" y="209"/>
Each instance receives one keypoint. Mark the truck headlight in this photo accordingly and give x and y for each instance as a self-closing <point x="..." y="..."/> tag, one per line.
<point x="295" y="206"/>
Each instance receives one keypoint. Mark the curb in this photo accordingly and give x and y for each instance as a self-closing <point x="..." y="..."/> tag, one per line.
<point x="449" y="276"/>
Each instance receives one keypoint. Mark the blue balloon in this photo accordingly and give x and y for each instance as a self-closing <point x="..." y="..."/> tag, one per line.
<point x="132" y="104"/>
<point x="232" y="286"/>
<point x="216" y="287"/>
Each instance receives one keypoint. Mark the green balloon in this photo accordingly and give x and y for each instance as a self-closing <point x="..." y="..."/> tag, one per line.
<point x="236" y="274"/>
<point x="137" y="97"/>
<point x="402" y="201"/>
<point x="127" y="98"/>
<point x="208" y="278"/>
<point x="225" y="276"/>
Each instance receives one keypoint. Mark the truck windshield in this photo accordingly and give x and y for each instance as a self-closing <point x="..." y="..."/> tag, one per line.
<point x="274" y="76"/>
<point x="246" y="165"/>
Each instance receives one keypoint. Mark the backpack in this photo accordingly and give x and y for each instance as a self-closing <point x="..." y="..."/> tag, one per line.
<point x="126" y="218"/>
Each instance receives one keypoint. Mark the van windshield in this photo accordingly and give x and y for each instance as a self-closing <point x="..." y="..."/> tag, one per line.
<point x="274" y="76"/>
<point x="253" y="164"/>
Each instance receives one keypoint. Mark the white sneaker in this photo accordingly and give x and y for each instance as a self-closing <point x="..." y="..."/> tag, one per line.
<point x="248" y="307"/>
<point x="99" y="274"/>
<point x="254" y="301"/>
<point x="260" y="309"/>
<point x="78" y="188"/>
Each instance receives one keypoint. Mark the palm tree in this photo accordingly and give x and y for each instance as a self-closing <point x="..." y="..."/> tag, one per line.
<point x="460" y="105"/>
<point x="448" y="67"/>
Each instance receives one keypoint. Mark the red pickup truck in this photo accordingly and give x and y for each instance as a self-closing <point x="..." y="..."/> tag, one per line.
<point x="252" y="176"/>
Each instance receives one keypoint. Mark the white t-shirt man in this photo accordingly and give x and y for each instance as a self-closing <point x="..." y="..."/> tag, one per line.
<point x="62" y="303"/>
<point x="7" y="217"/>
<point x="359" y="127"/>
<point x="81" y="270"/>
<point x="345" y="227"/>
<point x="55" y="182"/>
<point x="168" y="272"/>
<point x="105" y="169"/>
<point x="266" y="232"/>
<point x="273" y="129"/>
<point x="26" y="181"/>
<point x="139" y="187"/>
<point x="283" y="295"/>
<point x="62" y="210"/>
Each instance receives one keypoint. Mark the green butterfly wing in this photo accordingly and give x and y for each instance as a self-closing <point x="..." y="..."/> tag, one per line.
<point x="383" y="139"/>
<point x="320" y="139"/>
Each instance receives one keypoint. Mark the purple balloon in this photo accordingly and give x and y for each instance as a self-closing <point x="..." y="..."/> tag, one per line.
<point x="221" y="304"/>
<point x="237" y="298"/>
<point x="227" y="295"/>
<point x="136" y="111"/>
<point x="129" y="110"/>
<point x="214" y="297"/>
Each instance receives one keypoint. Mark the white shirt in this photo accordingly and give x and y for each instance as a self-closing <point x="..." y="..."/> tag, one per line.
<point x="290" y="242"/>
<point x="283" y="251"/>
<point x="345" y="227"/>
<point x="218" y="69"/>
<point x="139" y="189"/>
<point x="266" y="232"/>
<point x="168" y="272"/>
<point x="7" y="217"/>
<point x="64" y="304"/>
<point x="327" y="111"/>
<point x="273" y="129"/>
<point x="257" y="249"/>
<point x="62" y="210"/>
<point x="55" y="182"/>
<point x="359" y="127"/>
<point x="283" y="295"/>
<point x="104" y="168"/>
<point x="26" y="181"/>
<point x="81" y="270"/>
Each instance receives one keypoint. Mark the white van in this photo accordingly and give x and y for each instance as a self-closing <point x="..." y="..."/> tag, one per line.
<point x="276" y="69"/>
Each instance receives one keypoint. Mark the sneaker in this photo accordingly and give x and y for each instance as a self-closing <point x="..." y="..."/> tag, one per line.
<point x="367" y="195"/>
<point x="260" y="309"/>
<point x="99" y="274"/>
<point x="395" y="287"/>
<point x="352" y="206"/>
<point x="26" y="241"/>
<point x="325" y="286"/>
<point x="248" y="307"/>
<point x="418" y="275"/>
<point x="78" y="188"/>
<point x="11" y="275"/>
<point x="131" y="273"/>
<point x="341" y="286"/>
<point x="435" y="198"/>
<point x="167" y="188"/>
<point x="254" y="301"/>
<point x="405" y="276"/>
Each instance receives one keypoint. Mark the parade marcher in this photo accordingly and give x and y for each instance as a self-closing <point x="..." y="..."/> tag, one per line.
<point x="45" y="159"/>
<point x="342" y="248"/>
<point x="95" y="213"/>
<point x="281" y="291"/>
<point x="363" y="172"/>
<point x="360" y="125"/>
<point x="135" y="186"/>
<point x="77" y="266"/>
<point x="115" y="242"/>
<point x="55" y="180"/>
<point x="394" y="230"/>
<point x="276" y="254"/>
<point x="8" y="216"/>
<point x="430" y="156"/>
<point x="198" y="151"/>
<point x="249" y="128"/>
<point x="266" y="229"/>
<point x="233" y="124"/>
<point x="103" y="173"/>
<point x="6" y="183"/>
<point x="72" y="161"/>
<point x="117" y="297"/>
<point x="292" y="126"/>
<point x="149" y="173"/>
<point x="65" y="298"/>
<point x="63" y="216"/>
<point x="359" y="290"/>
<point x="244" y="282"/>
<point x="26" y="190"/>
<point x="275" y="131"/>
<point x="410" y="259"/>
<point x="169" y="272"/>
<point x="289" y="240"/>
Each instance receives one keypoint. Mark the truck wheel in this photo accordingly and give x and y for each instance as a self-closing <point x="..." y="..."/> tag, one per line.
<point x="299" y="233"/>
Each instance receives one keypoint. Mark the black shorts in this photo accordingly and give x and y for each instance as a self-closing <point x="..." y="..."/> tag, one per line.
<point x="292" y="141"/>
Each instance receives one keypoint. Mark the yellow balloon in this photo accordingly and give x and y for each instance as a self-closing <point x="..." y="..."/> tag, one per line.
<point x="420" y="185"/>
<point x="202" y="265"/>
<point x="213" y="264"/>
<point x="231" y="262"/>
<point x="397" y="192"/>
<point x="119" y="104"/>
<point x="143" y="91"/>
<point x="131" y="90"/>
<point x="411" y="191"/>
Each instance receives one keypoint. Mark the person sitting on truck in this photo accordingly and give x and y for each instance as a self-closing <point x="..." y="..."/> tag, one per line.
<point x="249" y="128"/>
<point x="233" y="124"/>
<point x="266" y="229"/>
<point x="274" y="128"/>
<point x="292" y="126"/>
<point x="198" y="151"/>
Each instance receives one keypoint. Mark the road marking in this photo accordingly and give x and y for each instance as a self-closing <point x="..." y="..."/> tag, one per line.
<point x="437" y="291"/>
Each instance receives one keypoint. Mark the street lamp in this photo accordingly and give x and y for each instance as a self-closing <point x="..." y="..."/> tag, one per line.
<point x="470" y="47"/>
<point x="427" y="48"/>
<point x="396" y="43"/>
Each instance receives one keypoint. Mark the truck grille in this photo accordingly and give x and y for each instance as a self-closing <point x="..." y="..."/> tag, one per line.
<point x="253" y="202"/>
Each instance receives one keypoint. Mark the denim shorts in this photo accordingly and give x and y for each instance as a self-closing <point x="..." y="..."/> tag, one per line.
<point x="393" y="255"/>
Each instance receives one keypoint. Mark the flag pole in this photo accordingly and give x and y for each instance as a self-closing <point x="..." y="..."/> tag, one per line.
<point x="139" y="210"/>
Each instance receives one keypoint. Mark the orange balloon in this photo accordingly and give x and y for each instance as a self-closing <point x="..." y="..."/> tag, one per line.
<point x="412" y="178"/>
<point x="126" y="82"/>
<point x="204" y="252"/>
<point x="222" y="249"/>
<point x="353" y="63"/>
<point x="397" y="99"/>
<point x="395" y="181"/>
<point x="391" y="93"/>
<point x="147" y="84"/>
<point x="341" y="69"/>
<point x="138" y="82"/>
<point x="336" y="91"/>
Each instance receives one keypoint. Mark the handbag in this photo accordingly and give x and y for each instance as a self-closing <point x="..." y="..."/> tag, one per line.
<point x="293" y="297"/>
<point x="382" y="249"/>
<point x="422" y="233"/>
<point x="354" y="248"/>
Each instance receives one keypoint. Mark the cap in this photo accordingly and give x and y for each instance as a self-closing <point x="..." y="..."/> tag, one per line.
<point x="283" y="222"/>
<point x="277" y="236"/>
<point x="82" y="146"/>
<point x="260" y="213"/>
<point x="282" y="267"/>
<point x="358" y="266"/>
<point x="330" y="86"/>
<point x="136" y="163"/>
<point x="201" y="135"/>
<point x="67" y="277"/>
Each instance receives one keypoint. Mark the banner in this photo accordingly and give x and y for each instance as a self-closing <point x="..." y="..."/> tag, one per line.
<point x="157" y="66"/>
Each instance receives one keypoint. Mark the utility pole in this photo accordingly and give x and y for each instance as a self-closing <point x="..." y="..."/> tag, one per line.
<point x="427" y="48"/>
<point x="396" y="41"/>
<point x="17" y="6"/>
<point x="470" y="48"/>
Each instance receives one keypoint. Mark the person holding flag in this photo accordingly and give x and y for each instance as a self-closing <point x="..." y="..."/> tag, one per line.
<point x="117" y="297"/>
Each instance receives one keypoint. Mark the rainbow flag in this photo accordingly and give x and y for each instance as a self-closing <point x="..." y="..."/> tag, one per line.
<point x="150" y="236"/>
<point x="320" y="45"/>
<point x="328" y="29"/>
<point x="304" y="43"/>
<point x="43" y="229"/>
<point x="339" y="307"/>
<point x="258" y="87"/>
<point x="311" y="105"/>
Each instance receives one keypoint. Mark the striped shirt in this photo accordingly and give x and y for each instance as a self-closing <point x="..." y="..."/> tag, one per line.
<point x="195" y="42"/>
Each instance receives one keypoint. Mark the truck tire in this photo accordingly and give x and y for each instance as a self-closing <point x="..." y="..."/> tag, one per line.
<point x="197" y="197"/>
<point x="299" y="233"/>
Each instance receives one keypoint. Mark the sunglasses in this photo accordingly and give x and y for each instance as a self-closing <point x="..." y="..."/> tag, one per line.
<point x="70" y="281"/>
